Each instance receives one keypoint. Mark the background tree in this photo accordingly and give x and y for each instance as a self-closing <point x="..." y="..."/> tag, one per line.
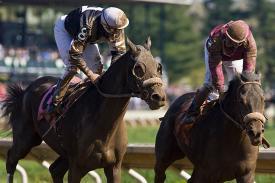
<point x="264" y="12"/>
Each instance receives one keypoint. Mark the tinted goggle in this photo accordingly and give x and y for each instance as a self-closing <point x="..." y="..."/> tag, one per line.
<point x="231" y="43"/>
<point x="111" y="30"/>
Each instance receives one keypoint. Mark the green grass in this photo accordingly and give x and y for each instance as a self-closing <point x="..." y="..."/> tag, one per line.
<point x="4" y="134"/>
<point x="39" y="174"/>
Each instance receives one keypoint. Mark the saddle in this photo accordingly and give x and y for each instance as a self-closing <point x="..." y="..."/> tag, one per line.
<point x="185" y="129"/>
<point x="74" y="92"/>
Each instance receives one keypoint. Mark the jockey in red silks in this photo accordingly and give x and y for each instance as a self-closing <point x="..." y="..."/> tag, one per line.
<point x="77" y="35"/>
<point x="230" y="46"/>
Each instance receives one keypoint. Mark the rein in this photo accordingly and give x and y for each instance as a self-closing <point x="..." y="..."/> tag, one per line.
<point x="238" y="124"/>
<point x="229" y="117"/>
<point x="108" y="95"/>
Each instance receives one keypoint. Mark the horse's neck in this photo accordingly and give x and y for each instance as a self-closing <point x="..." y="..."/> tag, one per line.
<point x="112" y="109"/>
<point x="114" y="81"/>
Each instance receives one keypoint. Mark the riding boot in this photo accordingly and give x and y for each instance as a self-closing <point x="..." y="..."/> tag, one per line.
<point x="194" y="109"/>
<point x="60" y="91"/>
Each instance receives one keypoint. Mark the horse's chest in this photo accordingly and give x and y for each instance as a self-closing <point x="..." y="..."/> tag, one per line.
<point x="229" y="168"/>
<point x="99" y="155"/>
<point x="105" y="157"/>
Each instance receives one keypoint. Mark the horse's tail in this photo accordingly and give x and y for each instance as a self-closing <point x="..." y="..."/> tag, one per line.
<point x="13" y="102"/>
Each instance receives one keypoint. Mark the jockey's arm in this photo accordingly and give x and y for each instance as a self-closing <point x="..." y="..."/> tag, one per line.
<point x="215" y="66"/>
<point x="215" y="63"/>
<point x="249" y="61"/>
<point x="117" y="45"/>
<point x="76" y="58"/>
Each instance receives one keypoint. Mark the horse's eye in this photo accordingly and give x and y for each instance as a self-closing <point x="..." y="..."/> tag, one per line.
<point x="139" y="70"/>
<point x="159" y="69"/>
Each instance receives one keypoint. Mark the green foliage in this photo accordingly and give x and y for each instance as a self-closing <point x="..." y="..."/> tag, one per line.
<point x="183" y="44"/>
<point x="173" y="36"/>
<point x="218" y="12"/>
<point x="264" y="12"/>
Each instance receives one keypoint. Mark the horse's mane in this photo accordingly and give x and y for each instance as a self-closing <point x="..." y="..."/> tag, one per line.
<point x="117" y="65"/>
<point x="245" y="77"/>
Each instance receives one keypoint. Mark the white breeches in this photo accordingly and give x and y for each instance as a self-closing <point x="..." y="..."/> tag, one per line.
<point x="63" y="40"/>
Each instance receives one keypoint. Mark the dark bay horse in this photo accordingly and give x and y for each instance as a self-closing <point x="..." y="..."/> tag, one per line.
<point x="91" y="134"/>
<point x="224" y="142"/>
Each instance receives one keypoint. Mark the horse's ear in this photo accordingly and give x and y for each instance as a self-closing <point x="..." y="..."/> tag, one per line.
<point x="148" y="43"/>
<point x="132" y="46"/>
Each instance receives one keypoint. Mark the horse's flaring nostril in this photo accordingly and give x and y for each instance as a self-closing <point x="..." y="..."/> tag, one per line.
<point x="250" y="133"/>
<point x="258" y="135"/>
<point x="156" y="97"/>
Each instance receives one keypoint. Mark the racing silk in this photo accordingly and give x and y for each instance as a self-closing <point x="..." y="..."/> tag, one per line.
<point x="219" y="53"/>
<point x="84" y="26"/>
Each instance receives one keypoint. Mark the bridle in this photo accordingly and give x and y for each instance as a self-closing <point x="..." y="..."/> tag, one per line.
<point x="140" y="84"/>
<point x="248" y="117"/>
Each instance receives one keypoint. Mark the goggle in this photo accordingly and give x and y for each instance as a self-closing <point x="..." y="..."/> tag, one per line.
<point x="230" y="43"/>
<point x="111" y="30"/>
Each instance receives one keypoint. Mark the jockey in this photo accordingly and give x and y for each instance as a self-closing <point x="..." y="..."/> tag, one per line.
<point x="77" y="35"/>
<point x="231" y="47"/>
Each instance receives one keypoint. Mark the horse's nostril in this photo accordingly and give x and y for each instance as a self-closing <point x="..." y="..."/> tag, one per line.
<point x="156" y="97"/>
<point x="250" y="133"/>
<point x="258" y="135"/>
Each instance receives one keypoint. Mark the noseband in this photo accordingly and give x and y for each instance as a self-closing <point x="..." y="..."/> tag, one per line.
<point x="248" y="117"/>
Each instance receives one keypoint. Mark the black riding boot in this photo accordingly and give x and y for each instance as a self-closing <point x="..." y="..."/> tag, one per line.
<point x="194" y="109"/>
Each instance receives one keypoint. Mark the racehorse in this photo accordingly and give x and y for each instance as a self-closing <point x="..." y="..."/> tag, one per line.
<point x="224" y="141"/>
<point x="91" y="134"/>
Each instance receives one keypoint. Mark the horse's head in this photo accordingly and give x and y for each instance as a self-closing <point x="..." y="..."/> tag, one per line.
<point x="145" y="75"/>
<point x="247" y="99"/>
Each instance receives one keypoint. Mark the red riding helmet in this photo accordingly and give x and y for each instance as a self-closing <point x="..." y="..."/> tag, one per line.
<point x="237" y="31"/>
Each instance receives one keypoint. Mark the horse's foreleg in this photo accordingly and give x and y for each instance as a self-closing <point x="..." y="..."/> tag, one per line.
<point x="248" y="178"/>
<point x="75" y="174"/>
<point x="166" y="154"/>
<point x="58" y="169"/>
<point x="113" y="173"/>
<point x="160" y="169"/>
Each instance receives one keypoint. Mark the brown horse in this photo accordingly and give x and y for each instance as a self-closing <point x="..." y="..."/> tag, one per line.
<point x="91" y="134"/>
<point x="224" y="142"/>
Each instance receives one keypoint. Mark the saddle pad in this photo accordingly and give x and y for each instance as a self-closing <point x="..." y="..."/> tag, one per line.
<point x="46" y="100"/>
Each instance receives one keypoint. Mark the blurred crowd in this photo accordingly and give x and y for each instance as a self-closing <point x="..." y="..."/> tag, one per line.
<point x="32" y="56"/>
